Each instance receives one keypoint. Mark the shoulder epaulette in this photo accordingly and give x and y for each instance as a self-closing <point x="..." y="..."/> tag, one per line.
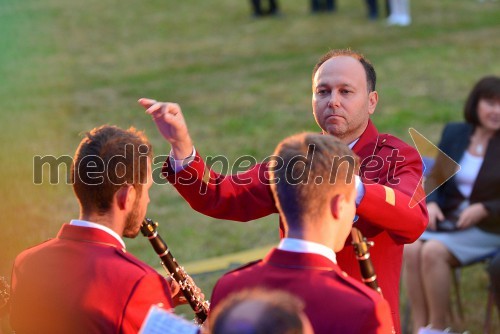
<point x="247" y="265"/>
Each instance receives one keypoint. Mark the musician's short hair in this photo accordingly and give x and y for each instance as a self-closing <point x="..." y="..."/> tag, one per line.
<point x="306" y="170"/>
<point x="371" y="75"/>
<point x="108" y="158"/>
<point x="260" y="311"/>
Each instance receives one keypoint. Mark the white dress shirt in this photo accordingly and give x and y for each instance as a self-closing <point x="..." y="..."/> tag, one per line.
<point x="303" y="246"/>
<point x="84" y="223"/>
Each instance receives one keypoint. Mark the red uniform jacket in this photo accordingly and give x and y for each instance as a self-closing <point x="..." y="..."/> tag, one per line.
<point x="391" y="171"/>
<point x="334" y="302"/>
<point x="83" y="282"/>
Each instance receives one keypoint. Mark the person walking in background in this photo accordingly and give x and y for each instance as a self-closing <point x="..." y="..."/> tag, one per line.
<point x="390" y="204"/>
<point x="464" y="211"/>
<point x="372" y="6"/>
<point x="318" y="6"/>
<point x="399" y="13"/>
<point x="84" y="280"/>
<point x="318" y="215"/>
<point x="258" y="10"/>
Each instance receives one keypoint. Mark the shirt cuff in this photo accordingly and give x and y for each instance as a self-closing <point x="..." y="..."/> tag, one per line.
<point x="181" y="164"/>
<point x="360" y="188"/>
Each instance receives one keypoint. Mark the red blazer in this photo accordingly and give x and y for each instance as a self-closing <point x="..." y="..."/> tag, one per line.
<point x="334" y="302"/>
<point x="391" y="171"/>
<point x="83" y="282"/>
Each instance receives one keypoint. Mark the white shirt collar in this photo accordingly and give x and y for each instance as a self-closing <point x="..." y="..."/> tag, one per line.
<point x="351" y="145"/>
<point x="303" y="246"/>
<point x="84" y="223"/>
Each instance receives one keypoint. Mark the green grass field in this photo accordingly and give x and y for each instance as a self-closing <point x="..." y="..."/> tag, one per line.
<point x="67" y="66"/>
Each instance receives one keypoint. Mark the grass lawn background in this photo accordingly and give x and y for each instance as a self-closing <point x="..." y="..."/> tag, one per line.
<point x="67" y="66"/>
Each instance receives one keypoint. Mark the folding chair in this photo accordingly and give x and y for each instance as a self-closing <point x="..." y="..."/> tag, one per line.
<point x="456" y="277"/>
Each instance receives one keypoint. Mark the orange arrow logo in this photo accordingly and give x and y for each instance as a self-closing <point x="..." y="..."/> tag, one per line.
<point x="446" y="167"/>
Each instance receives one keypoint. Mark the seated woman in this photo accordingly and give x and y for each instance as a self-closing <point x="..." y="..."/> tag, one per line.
<point x="464" y="210"/>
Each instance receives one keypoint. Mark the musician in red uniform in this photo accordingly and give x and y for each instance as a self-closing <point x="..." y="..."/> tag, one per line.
<point x="317" y="216"/>
<point x="390" y="209"/>
<point x="84" y="280"/>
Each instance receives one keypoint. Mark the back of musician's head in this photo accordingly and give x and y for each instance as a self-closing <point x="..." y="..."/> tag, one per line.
<point x="258" y="311"/>
<point x="108" y="158"/>
<point x="307" y="170"/>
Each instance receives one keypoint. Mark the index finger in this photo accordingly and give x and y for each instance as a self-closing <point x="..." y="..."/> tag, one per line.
<point x="146" y="103"/>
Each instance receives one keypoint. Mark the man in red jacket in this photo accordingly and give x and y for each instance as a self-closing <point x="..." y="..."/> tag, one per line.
<point x="84" y="280"/>
<point x="317" y="217"/>
<point x="389" y="203"/>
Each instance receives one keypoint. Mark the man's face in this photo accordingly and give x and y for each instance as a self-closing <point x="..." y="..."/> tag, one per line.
<point x="138" y="213"/>
<point x="341" y="102"/>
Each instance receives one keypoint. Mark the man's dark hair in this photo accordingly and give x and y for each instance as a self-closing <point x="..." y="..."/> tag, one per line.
<point x="106" y="159"/>
<point x="486" y="88"/>
<point x="271" y="312"/>
<point x="371" y="76"/>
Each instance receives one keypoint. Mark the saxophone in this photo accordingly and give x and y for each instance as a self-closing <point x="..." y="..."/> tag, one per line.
<point x="188" y="287"/>
<point x="361" y="246"/>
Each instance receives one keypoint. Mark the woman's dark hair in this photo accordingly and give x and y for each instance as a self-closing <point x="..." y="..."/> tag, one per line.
<point x="486" y="88"/>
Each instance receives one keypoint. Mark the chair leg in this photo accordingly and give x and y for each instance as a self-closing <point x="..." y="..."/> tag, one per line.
<point x="458" y="300"/>
<point x="406" y="323"/>
<point x="489" y="311"/>
<point x="456" y="284"/>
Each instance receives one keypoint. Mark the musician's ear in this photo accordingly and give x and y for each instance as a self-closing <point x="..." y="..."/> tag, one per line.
<point x="336" y="204"/>
<point x="125" y="197"/>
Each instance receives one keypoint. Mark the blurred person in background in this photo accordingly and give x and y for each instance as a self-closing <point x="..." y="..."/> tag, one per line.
<point x="318" y="6"/>
<point x="464" y="211"/>
<point x="372" y="6"/>
<point x="399" y="13"/>
<point x="271" y="9"/>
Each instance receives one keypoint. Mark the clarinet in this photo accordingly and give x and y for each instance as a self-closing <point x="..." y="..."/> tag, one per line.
<point x="361" y="246"/>
<point x="188" y="287"/>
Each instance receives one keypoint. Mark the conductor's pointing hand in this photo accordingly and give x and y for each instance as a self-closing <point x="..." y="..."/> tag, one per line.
<point x="171" y="124"/>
